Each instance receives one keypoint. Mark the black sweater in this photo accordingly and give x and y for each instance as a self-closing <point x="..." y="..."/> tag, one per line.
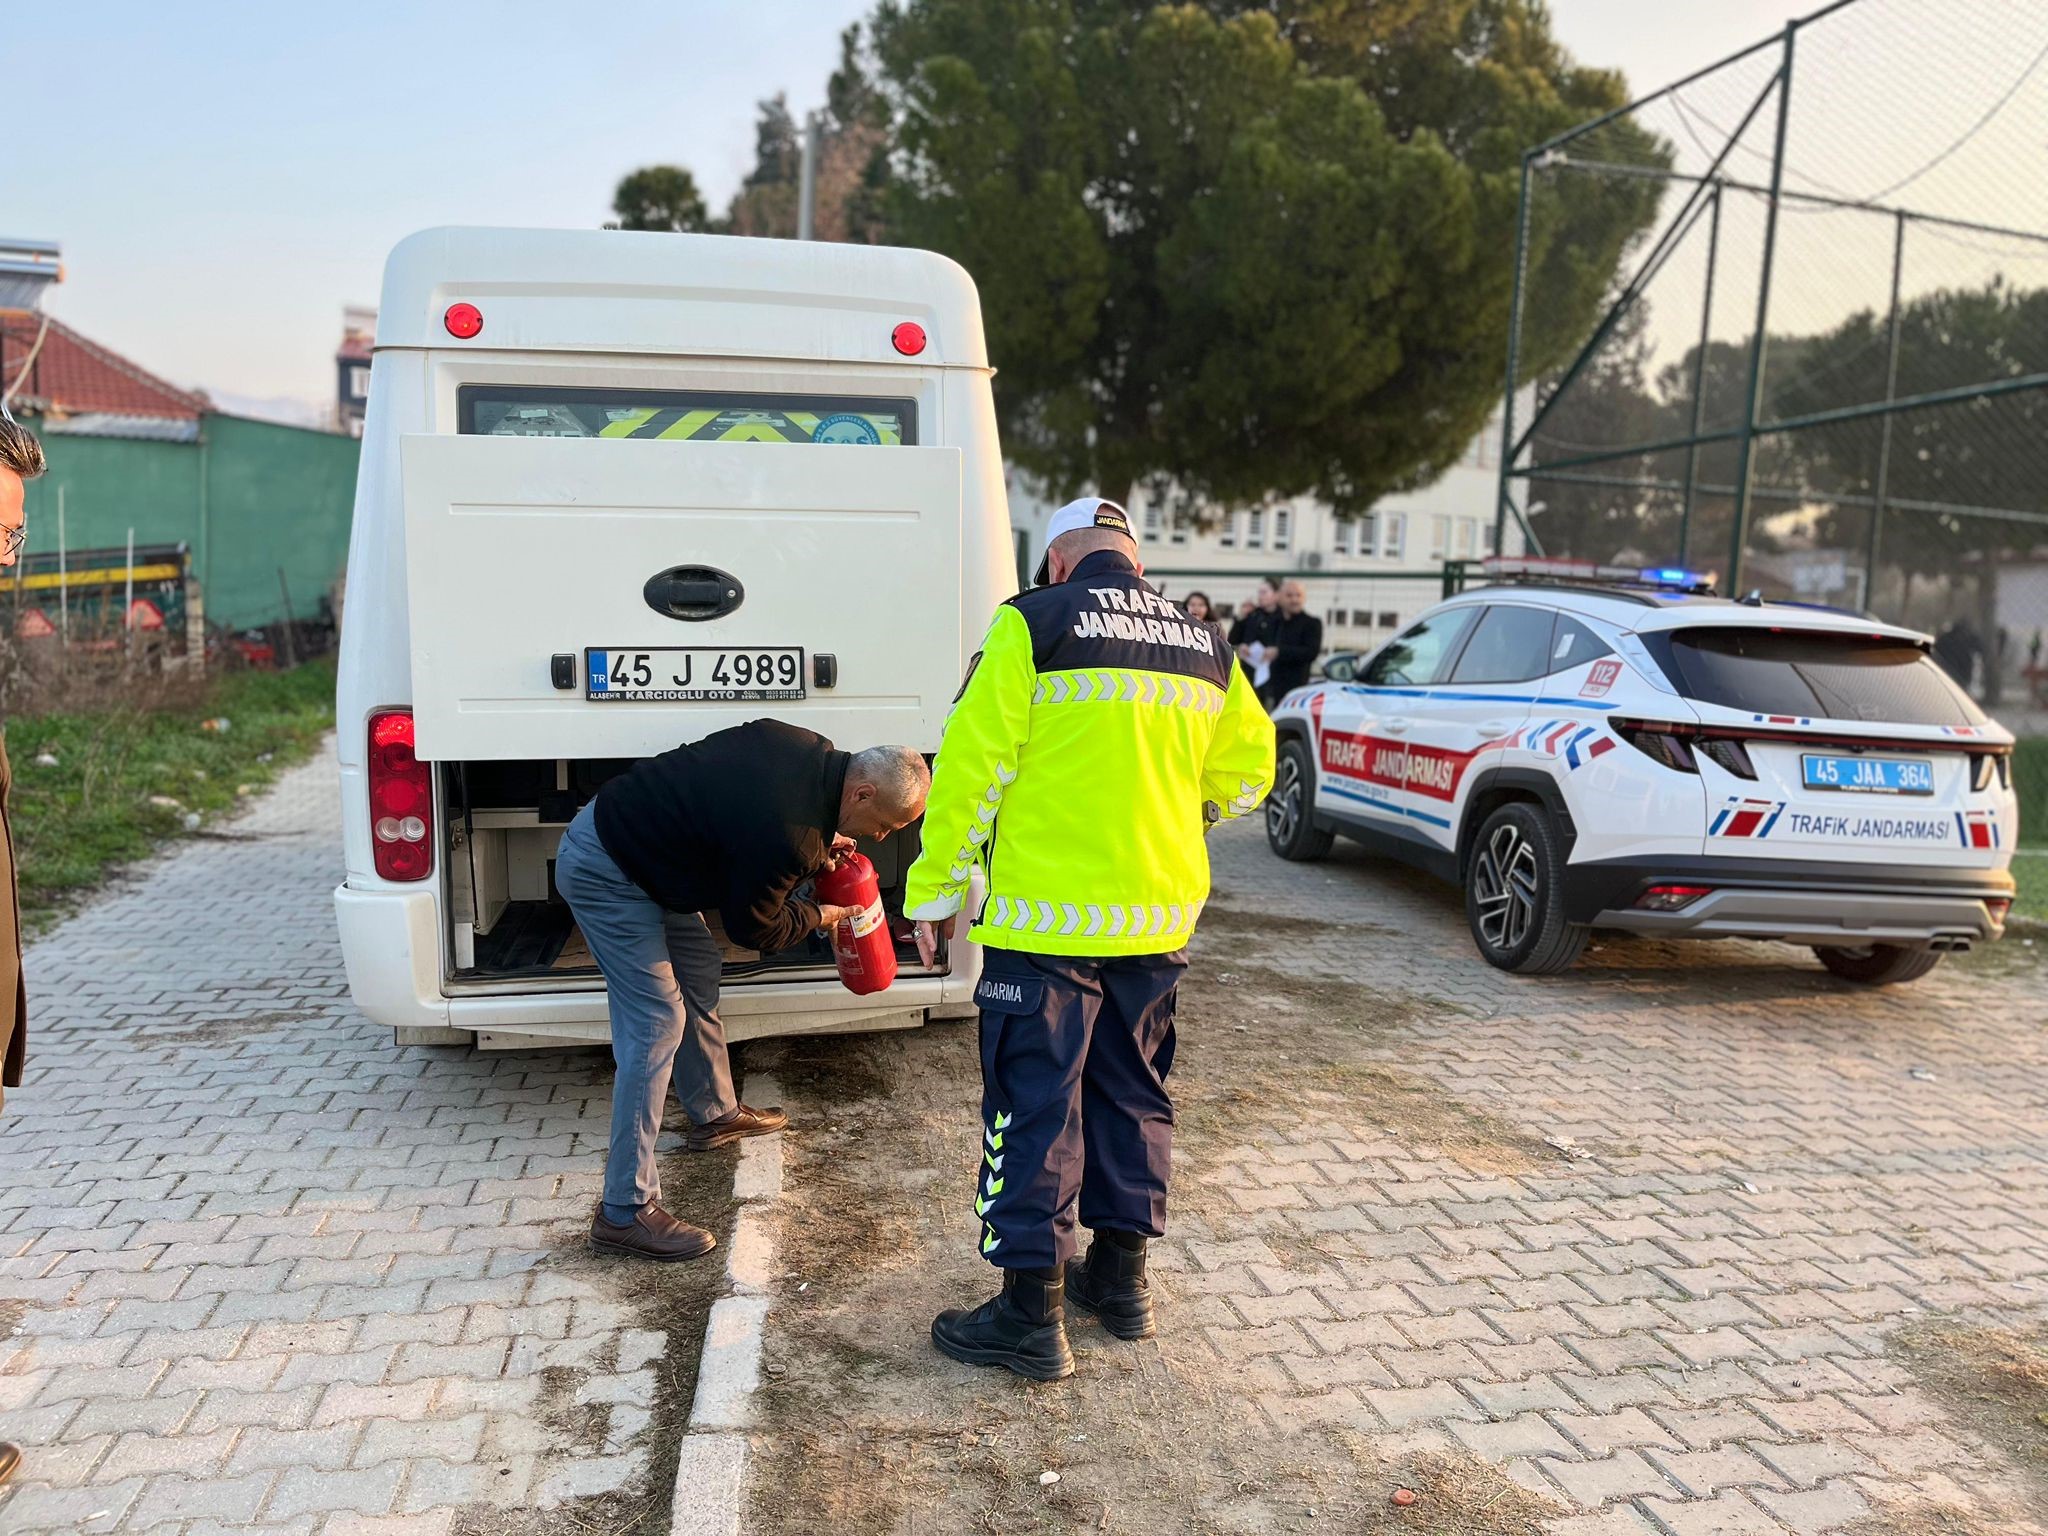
<point x="732" y="824"/>
<point x="1297" y="639"/>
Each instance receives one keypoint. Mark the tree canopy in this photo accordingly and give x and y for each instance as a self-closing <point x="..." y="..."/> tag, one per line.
<point x="661" y="197"/>
<point x="1255" y="249"/>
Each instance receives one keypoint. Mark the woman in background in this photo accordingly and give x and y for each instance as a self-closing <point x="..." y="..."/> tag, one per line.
<point x="1196" y="605"/>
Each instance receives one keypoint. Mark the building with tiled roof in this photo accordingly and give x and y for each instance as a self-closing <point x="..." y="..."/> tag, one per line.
<point x="49" y="370"/>
<point x="257" y="511"/>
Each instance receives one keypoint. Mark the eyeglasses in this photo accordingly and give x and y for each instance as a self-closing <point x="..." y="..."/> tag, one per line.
<point x="16" y="537"/>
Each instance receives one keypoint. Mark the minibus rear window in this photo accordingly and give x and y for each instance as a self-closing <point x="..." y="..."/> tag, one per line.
<point x="699" y="416"/>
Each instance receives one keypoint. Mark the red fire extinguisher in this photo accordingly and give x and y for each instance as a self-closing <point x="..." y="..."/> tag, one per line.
<point x="861" y="944"/>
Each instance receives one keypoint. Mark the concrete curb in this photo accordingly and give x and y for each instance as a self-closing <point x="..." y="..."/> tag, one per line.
<point x="711" y="1469"/>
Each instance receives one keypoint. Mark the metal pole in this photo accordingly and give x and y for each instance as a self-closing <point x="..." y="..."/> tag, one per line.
<point x="1673" y="236"/>
<point x="1746" y="462"/>
<point x="1507" y="409"/>
<point x="1699" y="380"/>
<point x="807" y="181"/>
<point x="1884" y="440"/>
<point x="63" y="578"/>
<point x="291" y="624"/>
<point x="128" y="598"/>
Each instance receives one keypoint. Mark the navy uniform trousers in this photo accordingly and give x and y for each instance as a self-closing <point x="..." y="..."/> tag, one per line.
<point x="1075" y="1113"/>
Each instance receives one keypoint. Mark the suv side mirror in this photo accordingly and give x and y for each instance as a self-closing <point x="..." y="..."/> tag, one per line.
<point x="1341" y="669"/>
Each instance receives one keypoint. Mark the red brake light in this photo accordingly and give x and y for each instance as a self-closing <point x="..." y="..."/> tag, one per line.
<point x="401" y="799"/>
<point x="1669" y="898"/>
<point x="909" y="338"/>
<point x="463" y="320"/>
<point x="1999" y="905"/>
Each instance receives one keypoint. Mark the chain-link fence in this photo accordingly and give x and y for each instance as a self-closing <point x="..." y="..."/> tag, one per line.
<point x="1822" y="372"/>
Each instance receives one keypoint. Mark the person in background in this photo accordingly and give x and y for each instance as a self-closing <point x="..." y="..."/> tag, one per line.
<point x="1297" y="641"/>
<point x="1251" y="635"/>
<point x="21" y="460"/>
<point x="1196" y="606"/>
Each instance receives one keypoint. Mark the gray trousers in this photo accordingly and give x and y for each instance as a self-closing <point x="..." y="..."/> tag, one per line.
<point x="661" y="969"/>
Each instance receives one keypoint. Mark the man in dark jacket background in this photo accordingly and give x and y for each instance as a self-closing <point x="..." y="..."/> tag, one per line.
<point x="732" y="824"/>
<point x="1296" y="641"/>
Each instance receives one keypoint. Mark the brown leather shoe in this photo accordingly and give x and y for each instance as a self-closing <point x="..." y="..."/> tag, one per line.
<point x="654" y="1234"/>
<point x="741" y="1122"/>
<point x="10" y="1458"/>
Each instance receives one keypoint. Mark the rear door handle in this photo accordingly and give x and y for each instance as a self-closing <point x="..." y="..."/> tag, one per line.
<point x="1395" y="723"/>
<point x="1495" y="727"/>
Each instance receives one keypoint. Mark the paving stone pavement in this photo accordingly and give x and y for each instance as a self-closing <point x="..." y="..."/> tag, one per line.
<point x="1682" y="1327"/>
<point x="264" y="1271"/>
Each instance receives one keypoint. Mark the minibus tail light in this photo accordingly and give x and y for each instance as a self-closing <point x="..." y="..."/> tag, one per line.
<point x="463" y="321"/>
<point x="401" y="799"/>
<point x="909" y="338"/>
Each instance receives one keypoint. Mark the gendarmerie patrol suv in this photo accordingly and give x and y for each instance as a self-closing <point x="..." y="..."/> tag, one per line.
<point x="620" y="491"/>
<point x="1621" y="749"/>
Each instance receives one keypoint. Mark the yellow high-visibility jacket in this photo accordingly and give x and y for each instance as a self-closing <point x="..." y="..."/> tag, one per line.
<point x="1095" y="725"/>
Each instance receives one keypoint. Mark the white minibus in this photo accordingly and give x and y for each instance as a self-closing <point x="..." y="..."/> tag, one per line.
<point x="619" y="491"/>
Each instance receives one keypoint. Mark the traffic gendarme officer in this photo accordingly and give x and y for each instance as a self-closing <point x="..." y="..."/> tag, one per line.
<point x="1099" y="733"/>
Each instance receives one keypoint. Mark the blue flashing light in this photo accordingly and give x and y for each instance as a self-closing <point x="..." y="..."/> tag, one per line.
<point x="1672" y="576"/>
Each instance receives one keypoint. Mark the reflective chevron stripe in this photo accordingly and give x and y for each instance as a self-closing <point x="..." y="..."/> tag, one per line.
<point x="992" y="1184"/>
<point x="1249" y="792"/>
<point x="978" y="834"/>
<point x="1109" y="920"/>
<point x="1117" y="686"/>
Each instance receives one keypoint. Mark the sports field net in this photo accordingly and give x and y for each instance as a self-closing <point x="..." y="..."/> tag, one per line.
<point x="1865" y="192"/>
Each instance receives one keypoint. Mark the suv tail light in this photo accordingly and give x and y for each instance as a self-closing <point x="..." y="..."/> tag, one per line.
<point x="1662" y="745"/>
<point x="1729" y="753"/>
<point x="1669" y="898"/>
<point x="1999" y="906"/>
<point x="1984" y="767"/>
<point x="401" y="799"/>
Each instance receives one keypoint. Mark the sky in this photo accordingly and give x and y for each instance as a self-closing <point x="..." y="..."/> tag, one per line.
<point x="226" y="176"/>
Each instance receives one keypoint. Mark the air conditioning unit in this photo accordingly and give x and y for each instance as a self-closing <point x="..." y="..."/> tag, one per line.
<point x="1312" y="561"/>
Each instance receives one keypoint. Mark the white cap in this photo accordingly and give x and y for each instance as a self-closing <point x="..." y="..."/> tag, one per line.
<point x="1087" y="512"/>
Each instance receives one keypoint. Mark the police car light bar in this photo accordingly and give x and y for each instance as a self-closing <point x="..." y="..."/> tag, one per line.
<point x="1546" y="568"/>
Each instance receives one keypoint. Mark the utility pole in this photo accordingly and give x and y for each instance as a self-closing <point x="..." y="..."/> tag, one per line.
<point x="807" y="181"/>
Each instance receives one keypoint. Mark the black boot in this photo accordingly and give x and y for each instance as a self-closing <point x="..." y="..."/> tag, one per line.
<point x="1024" y="1327"/>
<point x="1111" y="1283"/>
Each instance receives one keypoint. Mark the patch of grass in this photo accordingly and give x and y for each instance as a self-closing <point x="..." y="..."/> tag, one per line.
<point x="2030" y="874"/>
<point x="2030" y="779"/>
<point x="77" y="821"/>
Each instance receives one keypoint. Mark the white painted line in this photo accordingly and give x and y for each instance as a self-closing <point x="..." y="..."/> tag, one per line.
<point x="709" y="1476"/>
<point x="750" y="1256"/>
<point x="759" y="1175"/>
<point x="711" y="1464"/>
<point x="731" y="1367"/>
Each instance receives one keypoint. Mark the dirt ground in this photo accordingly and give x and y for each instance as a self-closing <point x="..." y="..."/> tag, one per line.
<point x="868" y="1429"/>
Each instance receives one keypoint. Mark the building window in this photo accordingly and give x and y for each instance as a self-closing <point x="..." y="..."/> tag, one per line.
<point x="1283" y="529"/>
<point x="1394" y="540"/>
<point x="1255" y="529"/>
<point x="1155" y="521"/>
<point x="1226" y="532"/>
<point x="1361" y="618"/>
<point x="1335" y="619"/>
<point x="1179" y="535"/>
<point x="1467" y="531"/>
<point x="1439" y="537"/>
<point x="1390" y="621"/>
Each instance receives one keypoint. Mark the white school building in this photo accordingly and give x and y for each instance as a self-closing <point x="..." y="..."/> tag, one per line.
<point x="1367" y="576"/>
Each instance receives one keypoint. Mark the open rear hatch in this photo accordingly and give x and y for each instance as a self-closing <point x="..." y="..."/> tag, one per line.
<point x="578" y="604"/>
